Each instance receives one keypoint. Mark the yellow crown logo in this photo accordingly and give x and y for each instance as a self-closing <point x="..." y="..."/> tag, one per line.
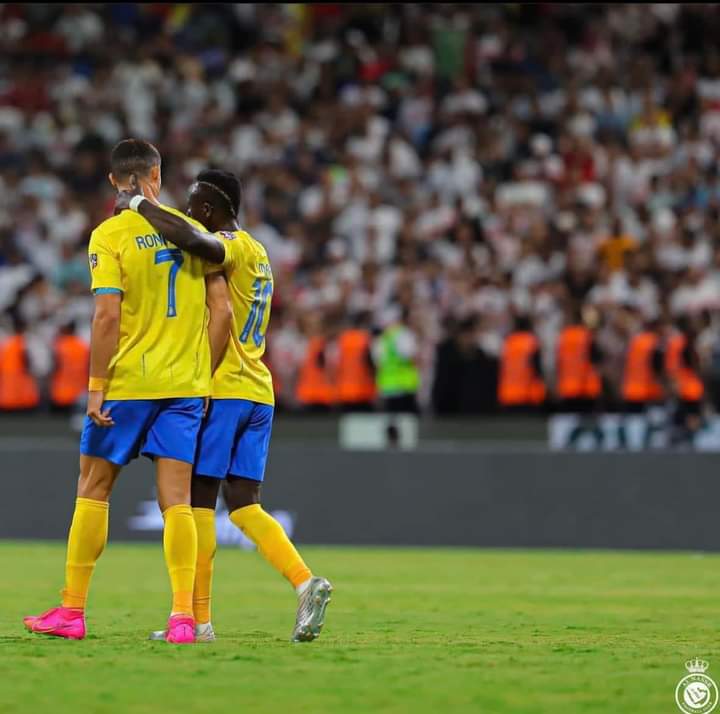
<point x="696" y="665"/>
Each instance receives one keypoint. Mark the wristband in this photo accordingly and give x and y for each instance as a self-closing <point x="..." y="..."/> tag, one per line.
<point x="97" y="384"/>
<point x="135" y="202"/>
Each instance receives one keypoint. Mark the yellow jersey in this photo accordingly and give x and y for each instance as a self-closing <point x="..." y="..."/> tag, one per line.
<point x="163" y="349"/>
<point x="242" y="374"/>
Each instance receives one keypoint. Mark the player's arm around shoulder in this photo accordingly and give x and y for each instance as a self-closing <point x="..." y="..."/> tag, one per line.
<point x="175" y="228"/>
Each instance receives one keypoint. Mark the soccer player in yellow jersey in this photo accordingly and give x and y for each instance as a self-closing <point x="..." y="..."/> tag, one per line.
<point x="150" y="372"/>
<point x="235" y="438"/>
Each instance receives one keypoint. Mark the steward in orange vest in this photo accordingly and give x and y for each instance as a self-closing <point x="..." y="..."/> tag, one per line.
<point x="642" y="378"/>
<point x="314" y="389"/>
<point x="680" y="366"/>
<point x="579" y="385"/>
<point x="18" y="387"/>
<point x="355" y="372"/>
<point x="682" y="369"/>
<point x="578" y="382"/>
<point x="520" y="384"/>
<point x="72" y="361"/>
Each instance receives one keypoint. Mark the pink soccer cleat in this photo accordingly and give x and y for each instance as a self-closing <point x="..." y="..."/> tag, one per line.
<point x="181" y="630"/>
<point x="58" y="622"/>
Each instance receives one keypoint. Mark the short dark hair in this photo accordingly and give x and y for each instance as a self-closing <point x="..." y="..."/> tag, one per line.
<point x="225" y="190"/>
<point x="133" y="156"/>
<point x="523" y="323"/>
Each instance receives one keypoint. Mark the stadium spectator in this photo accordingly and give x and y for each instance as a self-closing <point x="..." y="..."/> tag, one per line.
<point x="615" y="248"/>
<point x="465" y="374"/>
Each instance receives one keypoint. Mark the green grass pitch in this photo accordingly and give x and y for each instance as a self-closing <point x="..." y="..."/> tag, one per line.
<point x="408" y="631"/>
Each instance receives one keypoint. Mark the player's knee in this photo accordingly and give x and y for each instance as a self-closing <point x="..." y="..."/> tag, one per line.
<point x="97" y="490"/>
<point x="204" y="492"/>
<point x="173" y="483"/>
<point x="96" y="480"/>
<point x="240" y="492"/>
<point x="172" y="495"/>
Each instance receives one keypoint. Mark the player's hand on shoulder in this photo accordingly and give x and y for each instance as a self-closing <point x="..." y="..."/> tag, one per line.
<point x="122" y="200"/>
<point x="95" y="410"/>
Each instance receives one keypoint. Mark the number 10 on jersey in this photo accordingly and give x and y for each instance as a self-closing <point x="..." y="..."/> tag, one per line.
<point x="262" y="292"/>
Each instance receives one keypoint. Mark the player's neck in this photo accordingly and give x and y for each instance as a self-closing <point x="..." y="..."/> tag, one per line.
<point x="230" y="225"/>
<point x="147" y="192"/>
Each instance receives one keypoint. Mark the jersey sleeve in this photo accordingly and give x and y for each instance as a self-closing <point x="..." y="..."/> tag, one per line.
<point x="105" y="272"/>
<point x="232" y="250"/>
<point x="211" y="268"/>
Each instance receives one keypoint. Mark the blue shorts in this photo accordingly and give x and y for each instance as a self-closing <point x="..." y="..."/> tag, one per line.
<point x="164" y="428"/>
<point x="235" y="439"/>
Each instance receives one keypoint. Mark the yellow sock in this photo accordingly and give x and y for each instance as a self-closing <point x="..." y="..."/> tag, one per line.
<point x="205" y="523"/>
<point x="86" y="542"/>
<point x="272" y="542"/>
<point x="180" y="544"/>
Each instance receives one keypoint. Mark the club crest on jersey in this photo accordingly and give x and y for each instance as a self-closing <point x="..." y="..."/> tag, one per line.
<point x="93" y="261"/>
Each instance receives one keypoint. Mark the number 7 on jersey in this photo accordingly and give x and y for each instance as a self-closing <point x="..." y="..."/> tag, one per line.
<point x="174" y="256"/>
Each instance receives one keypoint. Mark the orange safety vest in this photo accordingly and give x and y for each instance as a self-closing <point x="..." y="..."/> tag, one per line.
<point x="355" y="381"/>
<point x="18" y="388"/>
<point x="519" y="383"/>
<point x="639" y="381"/>
<point x="314" y="386"/>
<point x="72" y="363"/>
<point x="577" y="378"/>
<point x="687" y="382"/>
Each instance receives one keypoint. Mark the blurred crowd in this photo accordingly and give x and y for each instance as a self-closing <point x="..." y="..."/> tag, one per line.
<point x="426" y="174"/>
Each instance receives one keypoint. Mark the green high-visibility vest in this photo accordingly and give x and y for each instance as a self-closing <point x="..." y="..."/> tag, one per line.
<point x="396" y="374"/>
